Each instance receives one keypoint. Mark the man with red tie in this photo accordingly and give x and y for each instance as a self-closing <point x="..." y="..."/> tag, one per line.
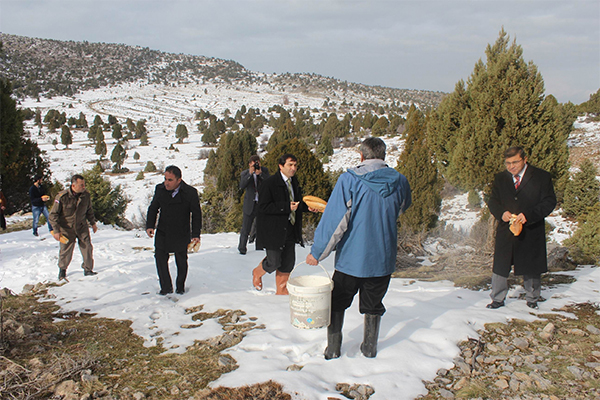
<point x="523" y="194"/>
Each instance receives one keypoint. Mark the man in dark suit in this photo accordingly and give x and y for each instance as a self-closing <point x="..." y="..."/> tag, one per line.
<point x="176" y="200"/>
<point x="522" y="194"/>
<point x="279" y="224"/>
<point x="251" y="180"/>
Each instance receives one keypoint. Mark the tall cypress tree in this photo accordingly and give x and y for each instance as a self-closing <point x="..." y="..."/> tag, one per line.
<point x="416" y="163"/>
<point x="501" y="105"/>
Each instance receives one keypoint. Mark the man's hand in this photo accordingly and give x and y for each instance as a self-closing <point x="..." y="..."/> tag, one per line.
<point x="196" y="240"/>
<point x="95" y="228"/>
<point x="56" y="236"/>
<point x="294" y="205"/>
<point x="521" y="218"/>
<point x="150" y="232"/>
<point x="310" y="260"/>
<point x="506" y="216"/>
<point x="314" y="209"/>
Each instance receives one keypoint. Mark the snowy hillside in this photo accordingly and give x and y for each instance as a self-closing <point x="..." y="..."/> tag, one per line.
<point x="419" y="333"/>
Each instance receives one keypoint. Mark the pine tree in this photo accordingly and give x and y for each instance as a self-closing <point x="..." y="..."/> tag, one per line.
<point x="501" y="105"/>
<point x="181" y="133"/>
<point x="108" y="203"/>
<point x="582" y="192"/>
<point x="118" y="156"/>
<point x="283" y="132"/>
<point x="231" y="158"/>
<point x="380" y="127"/>
<point x="66" y="138"/>
<point x="101" y="148"/>
<point x="416" y="163"/>
<point x="20" y="158"/>
<point x="82" y="122"/>
<point x="98" y="120"/>
<point x="117" y="134"/>
<point x="325" y="148"/>
<point x="140" y="129"/>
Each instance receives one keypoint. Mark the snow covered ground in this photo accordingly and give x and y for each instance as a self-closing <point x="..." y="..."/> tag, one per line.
<point x="419" y="332"/>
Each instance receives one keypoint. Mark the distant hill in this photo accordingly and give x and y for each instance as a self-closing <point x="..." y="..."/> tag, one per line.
<point x="45" y="67"/>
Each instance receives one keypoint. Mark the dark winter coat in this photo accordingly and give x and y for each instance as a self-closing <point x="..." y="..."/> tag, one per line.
<point x="173" y="232"/>
<point x="274" y="211"/>
<point x="247" y="184"/>
<point x="534" y="198"/>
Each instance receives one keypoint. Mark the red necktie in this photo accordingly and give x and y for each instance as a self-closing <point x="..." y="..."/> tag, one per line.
<point x="517" y="181"/>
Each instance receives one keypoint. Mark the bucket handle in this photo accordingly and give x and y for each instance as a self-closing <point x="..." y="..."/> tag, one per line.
<point x="319" y="264"/>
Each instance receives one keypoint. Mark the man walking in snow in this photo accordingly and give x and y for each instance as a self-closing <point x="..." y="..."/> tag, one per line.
<point x="523" y="195"/>
<point x="175" y="200"/>
<point x="359" y="222"/>
<point x="71" y="216"/>
<point x="38" y="197"/>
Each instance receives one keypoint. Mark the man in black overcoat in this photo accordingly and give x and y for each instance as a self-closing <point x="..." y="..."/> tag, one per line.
<point x="176" y="201"/>
<point x="279" y="224"/>
<point x="524" y="194"/>
<point x="250" y="181"/>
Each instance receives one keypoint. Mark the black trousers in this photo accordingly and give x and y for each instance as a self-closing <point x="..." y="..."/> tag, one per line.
<point x="372" y="291"/>
<point x="282" y="260"/>
<point x="247" y="227"/>
<point x="162" y="267"/>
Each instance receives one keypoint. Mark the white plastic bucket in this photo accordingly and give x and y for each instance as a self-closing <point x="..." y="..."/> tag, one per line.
<point x="310" y="300"/>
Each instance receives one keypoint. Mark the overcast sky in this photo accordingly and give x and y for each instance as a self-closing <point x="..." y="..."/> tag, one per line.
<point x="423" y="44"/>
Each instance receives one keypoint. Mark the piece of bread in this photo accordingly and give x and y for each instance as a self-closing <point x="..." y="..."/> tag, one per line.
<point x="193" y="247"/>
<point x="63" y="239"/>
<point x="315" y="202"/>
<point x="45" y="197"/>
<point x="515" y="226"/>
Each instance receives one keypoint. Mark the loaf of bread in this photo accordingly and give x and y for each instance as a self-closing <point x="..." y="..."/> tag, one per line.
<point x="515" y="226"/>
<point x="315" y="203"/>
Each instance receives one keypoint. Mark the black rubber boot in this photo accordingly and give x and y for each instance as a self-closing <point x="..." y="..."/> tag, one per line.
<point x="369" y="344"/>
<point x="62" y="274"/>
<point x="334" y="335"/>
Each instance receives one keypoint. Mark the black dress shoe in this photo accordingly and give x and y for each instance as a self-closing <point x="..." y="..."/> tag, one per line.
<point x="242" y="252"/>
<point x="495" y="304"/>
<point x="180" y="291"/>
<point x="90" y="273"/>
<point x="532" y="304"/>
<point x="165" y="292"/>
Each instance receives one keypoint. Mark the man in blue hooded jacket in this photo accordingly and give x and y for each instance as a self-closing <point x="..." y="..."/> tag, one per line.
<point x="359" y="222"/>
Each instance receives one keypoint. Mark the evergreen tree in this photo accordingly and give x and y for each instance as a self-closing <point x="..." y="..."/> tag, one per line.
<point x="144" y="139"/>
<point x="150" y="167"/>
<point x="283" y="132"/>
<point x="116" y="131"/>
<point x="38" y="117"/>
<point x="82" y="121"/>
<point x="592" y="106"/>
<point x="209" y="138"/>
<point x="231" y="158"/>
<point x="181" y="133"/>
<point x="108" y="203"/>
<point x="501" y="105"/>
<point x="136" y="156"/>
<point x="582" y="192"/>
<point x="585" y="242"/>
<point x="380" y="127"/>
<point x="66" y="137"/>
<point x="118" y="156"/>
<point x="98" y="120"/>
<point x="99" y="134"/>
<point x="112" y="120"/>
<point x="20" y="158"/>
<point x="416" y="163"/>
<point x="101" y="148"/>
<point x="140" y="129"/>
<point x="325" y="147"/>
<point x="130" y="125"/>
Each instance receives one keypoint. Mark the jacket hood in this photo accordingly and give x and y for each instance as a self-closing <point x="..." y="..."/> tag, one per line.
<point x="377" y="176"/>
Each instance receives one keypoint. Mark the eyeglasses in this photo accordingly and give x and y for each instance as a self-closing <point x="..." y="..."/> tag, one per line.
<point x="510" y="164"/>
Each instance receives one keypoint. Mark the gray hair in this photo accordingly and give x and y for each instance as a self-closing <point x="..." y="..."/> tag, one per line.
<point x="372" y="148"/>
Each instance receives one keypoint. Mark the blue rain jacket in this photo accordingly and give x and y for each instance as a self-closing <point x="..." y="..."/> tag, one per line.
<point x="359" y="221"/>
